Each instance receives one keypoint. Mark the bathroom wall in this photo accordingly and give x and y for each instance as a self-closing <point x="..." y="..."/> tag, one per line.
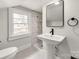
<point x="71" y="9"/>
<point x="23" y="42"/>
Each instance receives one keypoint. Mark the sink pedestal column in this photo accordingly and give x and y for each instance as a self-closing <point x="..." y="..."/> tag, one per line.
<point x="62" y="51"/>
<point x="50" y="50"/>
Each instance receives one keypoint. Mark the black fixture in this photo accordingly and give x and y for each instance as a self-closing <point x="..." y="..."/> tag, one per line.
<point x="52" y="31"/>
<point x="73" y="57"/>
<point x="72" y="18"/>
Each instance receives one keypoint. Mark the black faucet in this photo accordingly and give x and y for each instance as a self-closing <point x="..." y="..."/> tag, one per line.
<point x="52" y="31"/>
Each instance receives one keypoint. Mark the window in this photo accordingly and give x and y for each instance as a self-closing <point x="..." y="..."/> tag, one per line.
<point x="20" y="24"/>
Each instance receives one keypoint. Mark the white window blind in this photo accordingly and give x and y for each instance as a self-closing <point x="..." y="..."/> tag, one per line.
<point x="20" y="24"/>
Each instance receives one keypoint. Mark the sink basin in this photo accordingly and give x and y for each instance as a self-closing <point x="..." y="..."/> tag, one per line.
<point x="51" y="38"/>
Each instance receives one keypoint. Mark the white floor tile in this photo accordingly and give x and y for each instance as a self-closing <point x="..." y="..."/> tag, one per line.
<point x="31" y="53"/>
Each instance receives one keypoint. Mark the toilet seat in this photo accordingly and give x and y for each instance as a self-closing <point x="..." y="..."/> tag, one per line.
<point x="7" y="51"/>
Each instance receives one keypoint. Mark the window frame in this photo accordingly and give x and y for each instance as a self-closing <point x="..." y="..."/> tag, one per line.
<point x="18" y="11"/>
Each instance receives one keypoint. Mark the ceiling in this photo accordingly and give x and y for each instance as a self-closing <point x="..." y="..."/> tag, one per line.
<point x="31" y="4"/>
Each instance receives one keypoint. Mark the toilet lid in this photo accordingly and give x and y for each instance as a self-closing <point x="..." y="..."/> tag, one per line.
<point x="7" y="51"/>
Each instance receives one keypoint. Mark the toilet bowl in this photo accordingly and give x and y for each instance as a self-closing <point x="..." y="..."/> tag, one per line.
<point x="8" y="53"/>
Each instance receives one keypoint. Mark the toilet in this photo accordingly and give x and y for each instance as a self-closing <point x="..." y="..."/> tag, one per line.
<point x="8" y="53"/>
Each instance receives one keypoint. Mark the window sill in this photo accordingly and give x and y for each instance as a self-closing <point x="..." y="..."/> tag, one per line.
<point x="20" y="36"/>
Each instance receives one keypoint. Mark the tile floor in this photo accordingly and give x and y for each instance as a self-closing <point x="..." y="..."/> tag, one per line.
<point x="31" y="53"/>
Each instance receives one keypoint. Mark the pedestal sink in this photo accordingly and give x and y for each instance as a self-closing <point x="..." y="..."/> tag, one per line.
<point x="52" y="39"/>
<point x="50" y="42"/>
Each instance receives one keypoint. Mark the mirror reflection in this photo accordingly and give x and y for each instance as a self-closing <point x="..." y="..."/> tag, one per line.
<point x="55" y="14"/>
